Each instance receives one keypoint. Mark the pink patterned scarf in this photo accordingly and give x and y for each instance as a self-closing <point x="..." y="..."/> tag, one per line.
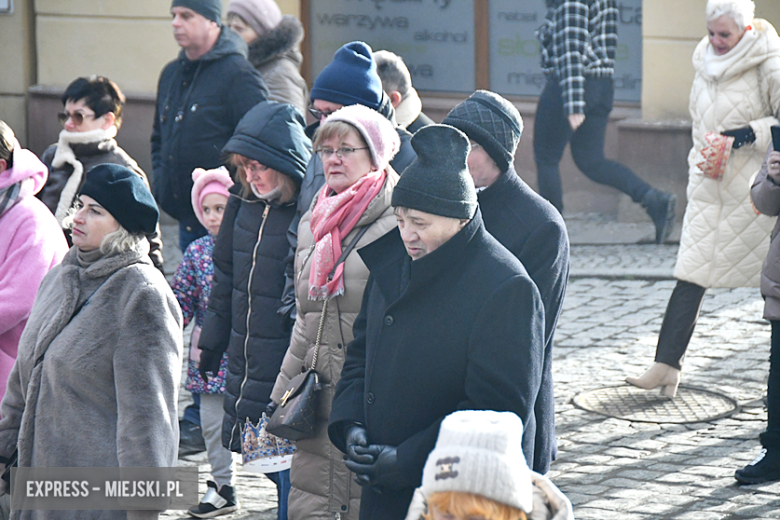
<point x="332" y="218"/>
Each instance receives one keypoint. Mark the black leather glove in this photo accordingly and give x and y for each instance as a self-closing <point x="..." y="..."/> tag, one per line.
<point x="356" y="437"/>
<point x="383" y="471"/>
<point x="742" y="136"/>
<point x="270" y="409"/>
<point x="209" y="362"/>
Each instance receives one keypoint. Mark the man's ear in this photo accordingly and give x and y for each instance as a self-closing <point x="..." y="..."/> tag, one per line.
<point x="3" y="165"/>
<point x="395" y="98"/>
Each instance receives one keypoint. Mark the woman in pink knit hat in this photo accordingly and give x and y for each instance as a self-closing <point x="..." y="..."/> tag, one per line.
<point x="274" y="47"/>
<point x="351" y="210"/>
<point x="192" y="287"/>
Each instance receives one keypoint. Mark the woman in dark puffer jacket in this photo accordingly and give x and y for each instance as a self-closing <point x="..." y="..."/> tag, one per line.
<point x="271" y="151"/>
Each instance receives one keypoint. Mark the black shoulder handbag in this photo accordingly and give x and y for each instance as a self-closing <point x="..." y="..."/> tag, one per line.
<point x="296" y="416"/>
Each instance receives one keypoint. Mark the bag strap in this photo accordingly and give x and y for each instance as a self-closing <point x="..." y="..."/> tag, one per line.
<point x="342" y="258"/>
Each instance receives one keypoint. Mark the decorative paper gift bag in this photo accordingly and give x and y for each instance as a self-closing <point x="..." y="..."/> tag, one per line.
<point x="263" y="452"/>
<point x="715" y="154"/>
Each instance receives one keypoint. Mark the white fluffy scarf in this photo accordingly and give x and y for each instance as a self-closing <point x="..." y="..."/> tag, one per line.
<point x="65" y="155"/>
<point x="716" y="66"/>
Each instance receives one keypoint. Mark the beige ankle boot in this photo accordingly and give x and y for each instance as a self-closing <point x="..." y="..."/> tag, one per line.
<point x="660" y="374"/>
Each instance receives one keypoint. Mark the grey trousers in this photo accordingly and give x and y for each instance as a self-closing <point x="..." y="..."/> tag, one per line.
<point x="223" y="468"/>
<point x="682" y="312"/>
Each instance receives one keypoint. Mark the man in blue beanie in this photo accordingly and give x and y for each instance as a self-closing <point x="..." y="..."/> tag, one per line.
<point x="201" y="97"/>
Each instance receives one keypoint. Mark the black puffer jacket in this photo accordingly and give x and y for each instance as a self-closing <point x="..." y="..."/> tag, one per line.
<point x="249" y="262"/>
<point x="199" y="104"/>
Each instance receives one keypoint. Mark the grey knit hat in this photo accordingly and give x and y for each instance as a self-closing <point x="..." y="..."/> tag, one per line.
<point x="438" y="181"/>
<point x="481" y="452"/>
<point x="492" y="122"/>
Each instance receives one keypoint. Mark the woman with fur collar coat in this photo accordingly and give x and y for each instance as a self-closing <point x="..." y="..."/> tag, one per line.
<point x="274" y="47"/>
<point x="91" y="118"/>
<point x="101" y="352"/>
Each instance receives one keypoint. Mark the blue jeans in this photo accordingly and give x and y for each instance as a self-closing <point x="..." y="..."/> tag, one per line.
<point x="282" y="481"/>
<point x="192" y="412"/>
<point x="552" y="132"/>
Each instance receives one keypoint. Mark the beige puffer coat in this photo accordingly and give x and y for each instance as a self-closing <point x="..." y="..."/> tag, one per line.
<point x="724" y="240"/>
<point x="322" y="486"/>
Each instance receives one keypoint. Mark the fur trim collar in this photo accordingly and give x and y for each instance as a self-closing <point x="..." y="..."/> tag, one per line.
<point x="280" y="41"/>
<point x="65" y="155"/>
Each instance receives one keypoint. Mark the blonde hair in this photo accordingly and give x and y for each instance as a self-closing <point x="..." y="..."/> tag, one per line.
<point x="741" y="11"/>
<point x="115" y="242"/>
<point x="287" y="186"/>
<point x="468" y="504"/>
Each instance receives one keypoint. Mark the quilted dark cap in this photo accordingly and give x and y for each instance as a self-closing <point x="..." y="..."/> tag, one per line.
<point x="438" y="181"/>
<point x="492" y="122"/>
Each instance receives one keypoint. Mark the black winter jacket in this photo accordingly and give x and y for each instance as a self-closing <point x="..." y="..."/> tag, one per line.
<point x="199" y="104"/>
<point x="459" y="329"/>
<point x="533" y="230"/>
<point x="249" y="262"/>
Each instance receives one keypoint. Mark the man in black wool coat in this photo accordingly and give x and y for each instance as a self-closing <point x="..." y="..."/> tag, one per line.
<point x="450" y="321"/>
<point x="525" y="223"/>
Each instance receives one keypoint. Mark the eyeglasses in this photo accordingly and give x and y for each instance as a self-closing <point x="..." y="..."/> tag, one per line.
<point x="77" y="117"/>
<point x="325" y="153"/>
<point x="319" y="114"/>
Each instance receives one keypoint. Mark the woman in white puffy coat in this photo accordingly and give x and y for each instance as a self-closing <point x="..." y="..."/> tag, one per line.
<point x="736" y="92"/>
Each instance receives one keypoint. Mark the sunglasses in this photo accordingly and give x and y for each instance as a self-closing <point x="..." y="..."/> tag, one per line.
<point x="77" y="117"/>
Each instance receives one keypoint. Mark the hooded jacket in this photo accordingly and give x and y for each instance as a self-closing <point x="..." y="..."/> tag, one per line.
<point x="249" y="266"/>
<point x="31" y="243"/>
<point x="724" y="240"/>
<point x="199" y="104"/>
<point x="277" y="56"/>
<point x="460" y="329"/>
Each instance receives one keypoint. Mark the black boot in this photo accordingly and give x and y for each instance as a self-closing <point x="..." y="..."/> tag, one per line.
<point x="190" y="439"/>
<point x="765" y="468"/>
<point x="660" y="206"/>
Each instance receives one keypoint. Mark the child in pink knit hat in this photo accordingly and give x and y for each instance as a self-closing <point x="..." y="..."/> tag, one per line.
<point x="192" y="287"/>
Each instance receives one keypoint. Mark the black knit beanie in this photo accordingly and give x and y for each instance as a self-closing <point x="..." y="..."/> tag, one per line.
<point x="209" y="9"/>
<point x="438" y="181"/>
<point x="350" y="79"/>
<point x="124" y="194"/>
<point x="492" y="122"/>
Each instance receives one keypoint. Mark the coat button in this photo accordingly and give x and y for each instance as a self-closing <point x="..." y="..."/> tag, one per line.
<point x="343" y="508"/>
<point x="370" y="398"/>
<point x="341" y="346"/>
<point x="389" y="320"/>
<point x="188" y="228"/>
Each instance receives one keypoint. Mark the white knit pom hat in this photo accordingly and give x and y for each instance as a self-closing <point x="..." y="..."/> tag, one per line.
<point x="480" y="452"/>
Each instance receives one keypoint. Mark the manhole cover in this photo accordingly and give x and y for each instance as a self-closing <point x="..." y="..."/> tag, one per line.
<point x="634" y="404"/>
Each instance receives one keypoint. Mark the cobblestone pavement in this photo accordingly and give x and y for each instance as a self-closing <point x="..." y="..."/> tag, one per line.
<point x="617" y="469"/>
